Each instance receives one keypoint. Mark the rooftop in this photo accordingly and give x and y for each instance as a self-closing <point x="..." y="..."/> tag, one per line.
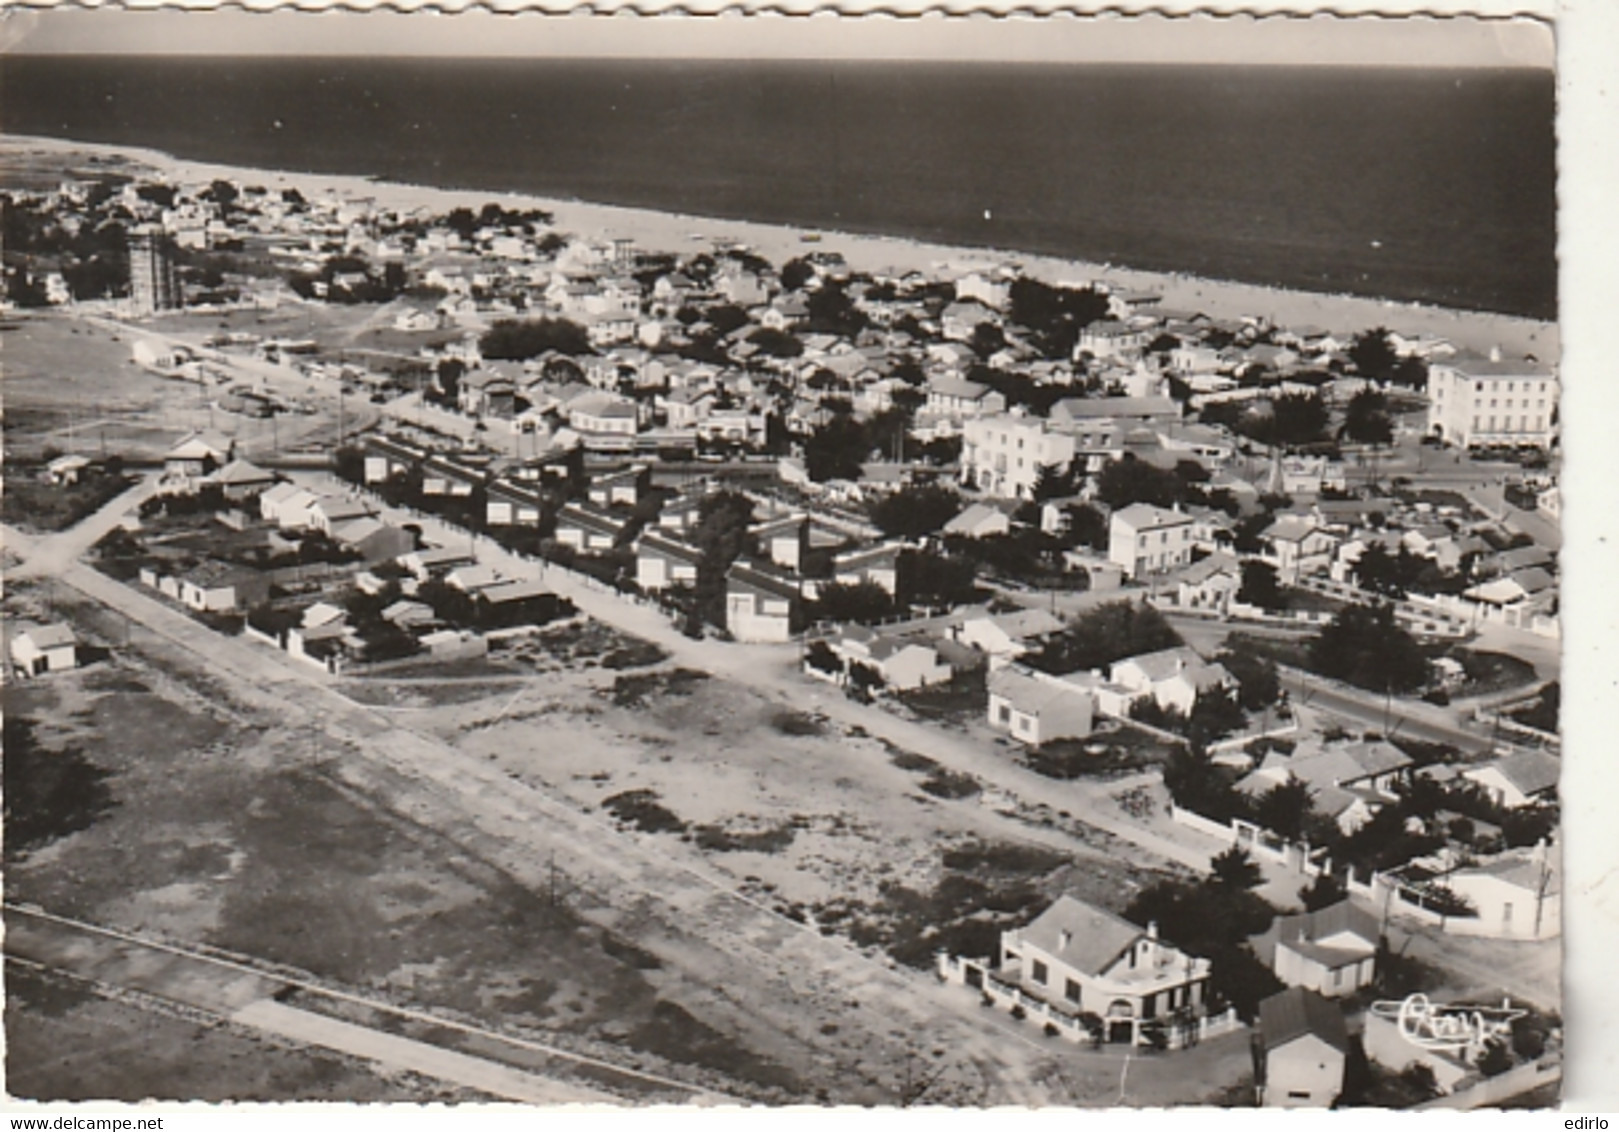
<point x="1297" y="1012"/>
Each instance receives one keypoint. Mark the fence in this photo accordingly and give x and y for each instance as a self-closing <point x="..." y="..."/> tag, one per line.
<point x="999" y="993"/>
<point x="1493" y="1090"/>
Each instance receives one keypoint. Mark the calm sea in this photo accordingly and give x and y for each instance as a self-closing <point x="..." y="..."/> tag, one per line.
<point x="1429" y="185"/>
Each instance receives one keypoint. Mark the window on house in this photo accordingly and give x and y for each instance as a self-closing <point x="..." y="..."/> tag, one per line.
<point x="1070" y="990"/>
<point x="1006" y="713"/>
<point x="1040" y="973"/>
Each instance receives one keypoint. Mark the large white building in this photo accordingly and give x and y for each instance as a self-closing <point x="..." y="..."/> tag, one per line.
<point x="1143" y="539"/>
<point x="1003" y="454"/>
<point x="1474" y="400"/>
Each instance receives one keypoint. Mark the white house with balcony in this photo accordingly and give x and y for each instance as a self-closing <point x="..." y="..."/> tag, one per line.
<point x="1002" y="454"/>
<point x="1081" y="959"/>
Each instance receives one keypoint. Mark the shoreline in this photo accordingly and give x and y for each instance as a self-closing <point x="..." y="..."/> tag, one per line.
<point x="1343" y="314"/>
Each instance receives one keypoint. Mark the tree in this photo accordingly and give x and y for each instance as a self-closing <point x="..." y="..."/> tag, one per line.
<point x="1362" y="645"/>
<point x="1366" y="420"/>
<point x="1215" y="714"/>
<point x="1284" y="808"/>
<point x="1054" y="316"/>
<point x="1323" y="892"/>
<point x="831" y="311"/>
<point x="1258" y="683"/>
<point x="795" y="273"/>
<point x="1373" y="355"/>
<point x="519" y="340"/>
<point x="915" y="511"/>
<point x="1196" y="784"/>
<point x="861" y="602"/>
<point x="1259" y="585"/>
<point x="934" y="579"/>
<point x="1236" y="870"/>
<point x="1126" y="481"/>
<point x="776" y="343"/>
<point x="1104" y="634"/>
<point x="1495" y="1060"/>
<point x="837" y="449"/>
<point x="1086" y="526"/>
<point x="987" y="339"/>
<point x="1052" y="482"/>
<point x="820" y="657"/>
<point x="721" y="535"/>
<point x="1297" y="418"/>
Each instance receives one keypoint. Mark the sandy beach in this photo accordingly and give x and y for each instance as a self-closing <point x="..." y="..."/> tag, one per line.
<point x="683" y="233"/>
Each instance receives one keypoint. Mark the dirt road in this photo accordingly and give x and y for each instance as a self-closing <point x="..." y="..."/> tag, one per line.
<point x="240" y="994"/>
<point x="764" y="970"/>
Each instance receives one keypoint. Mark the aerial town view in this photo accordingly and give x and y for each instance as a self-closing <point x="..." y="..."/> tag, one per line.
<point x="466" y="645"/>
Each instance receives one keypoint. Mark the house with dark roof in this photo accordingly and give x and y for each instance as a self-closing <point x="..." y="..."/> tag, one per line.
<point x="661" y="562"/>
<point x="621" y="488"/>
<point x="442" y="475"/>
<point x="240" y="479"/>
<point x="219" y="587"/>
<point x="1081" y="959"/>
<point x="1525" y="779"/>
<point x="762" y="603"/>
<point x="1332" y="951"/>
<point x="374" y="540"/>
<point x="508" y="504"/>
<point x="588" y="528"/>
<point x="1300" y="1050"/>
<point x="878" y="565"/>
<point x="784" y="539"/>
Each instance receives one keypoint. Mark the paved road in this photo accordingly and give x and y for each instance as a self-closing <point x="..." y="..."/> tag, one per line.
<point x="1368" y="710"/>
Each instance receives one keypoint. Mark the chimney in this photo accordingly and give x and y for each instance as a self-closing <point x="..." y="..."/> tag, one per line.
<point x="1495" y="353"/>
<point x="1152" y="929"/>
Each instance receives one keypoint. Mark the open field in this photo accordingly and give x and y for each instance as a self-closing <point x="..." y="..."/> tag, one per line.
<point x="67" y="1042"/>
<point x="829" y="826"/>
<point x="218" y="827"/>
<point x="71" y="384"/>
